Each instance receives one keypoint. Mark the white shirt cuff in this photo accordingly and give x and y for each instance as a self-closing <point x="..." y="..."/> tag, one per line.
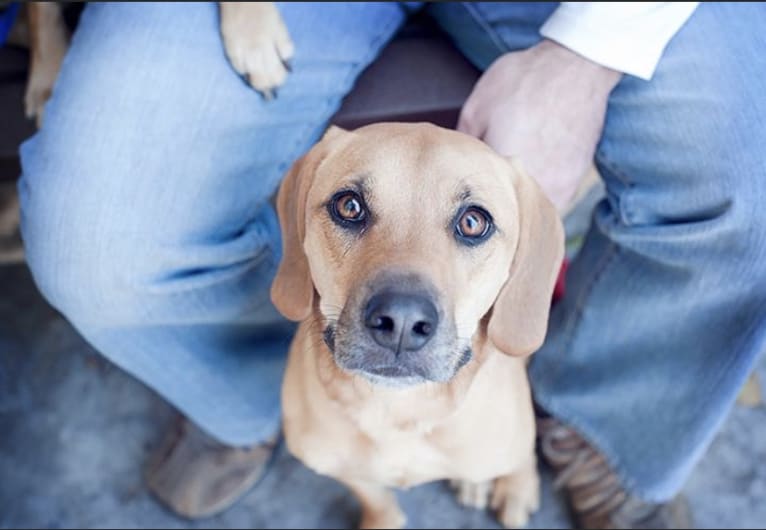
<point x="625" y="36"/>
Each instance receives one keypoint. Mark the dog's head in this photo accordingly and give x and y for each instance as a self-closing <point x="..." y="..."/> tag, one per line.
<point x="405" y="237"/>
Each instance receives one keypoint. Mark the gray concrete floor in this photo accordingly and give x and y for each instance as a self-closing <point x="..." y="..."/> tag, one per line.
<point x="74" y="433"/>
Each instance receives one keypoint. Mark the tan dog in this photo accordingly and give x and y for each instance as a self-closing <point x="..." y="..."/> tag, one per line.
<point x="421" y="265"/>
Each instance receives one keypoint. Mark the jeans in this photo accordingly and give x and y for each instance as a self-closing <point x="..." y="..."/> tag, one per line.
<point x="147" y="221"/>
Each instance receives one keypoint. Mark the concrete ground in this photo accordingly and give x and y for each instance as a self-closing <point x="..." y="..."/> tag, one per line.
<point x="75" y="431"/>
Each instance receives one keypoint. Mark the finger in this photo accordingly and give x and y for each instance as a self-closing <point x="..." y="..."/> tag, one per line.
<point x="469" y="122"/>
<point x="462" y="124"/>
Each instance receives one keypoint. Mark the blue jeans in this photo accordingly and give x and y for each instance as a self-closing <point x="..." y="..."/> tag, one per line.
<point x="147" y="221"/>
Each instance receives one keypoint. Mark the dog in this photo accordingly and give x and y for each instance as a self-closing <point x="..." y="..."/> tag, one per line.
<point x="420" y="265"/>
<point x="254" y="35"/>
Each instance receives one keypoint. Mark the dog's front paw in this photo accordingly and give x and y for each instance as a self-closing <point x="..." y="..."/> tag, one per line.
<point x="516" y="497"/>
<point x="257" y="44"/>
<point x="472" y="494"/>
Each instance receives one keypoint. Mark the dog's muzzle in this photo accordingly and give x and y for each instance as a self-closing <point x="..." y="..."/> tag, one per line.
<point x="394" y="331"/>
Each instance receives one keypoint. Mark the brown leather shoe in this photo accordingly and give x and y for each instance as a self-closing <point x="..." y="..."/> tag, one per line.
<point x="596" y="498"/>
<point x="195" y="476"/>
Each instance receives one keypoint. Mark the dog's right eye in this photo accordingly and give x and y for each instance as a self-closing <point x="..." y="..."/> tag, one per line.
<point x="347" y="208"/>
<point x="473" y="225"/>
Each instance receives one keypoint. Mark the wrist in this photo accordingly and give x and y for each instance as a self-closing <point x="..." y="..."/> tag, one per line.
<point x="583" y="68"/>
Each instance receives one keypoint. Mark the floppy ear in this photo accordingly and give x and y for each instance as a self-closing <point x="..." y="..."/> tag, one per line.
<point x="520" y="315"/>
<point x="292" y="290"/>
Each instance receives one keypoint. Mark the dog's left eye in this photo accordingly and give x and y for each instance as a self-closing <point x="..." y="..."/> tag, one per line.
<point x="473" y="225"/>
<point x="347" y="207"/>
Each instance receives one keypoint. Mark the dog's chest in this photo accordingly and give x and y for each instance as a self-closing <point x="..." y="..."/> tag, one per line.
<point x="401" y="440"/>
<point x="405" y="459"/>
<point x="469" y="445"/>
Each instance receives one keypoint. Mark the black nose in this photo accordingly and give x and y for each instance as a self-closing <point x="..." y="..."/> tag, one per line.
<point x="401" y="322"/>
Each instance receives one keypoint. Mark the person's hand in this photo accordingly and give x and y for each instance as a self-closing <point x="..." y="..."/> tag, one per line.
<point x="547" y="106"/>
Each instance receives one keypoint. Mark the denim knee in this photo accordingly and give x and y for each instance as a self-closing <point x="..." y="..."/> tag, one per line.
<point x="701" y="216"/>
<point x="94" y="262"/>
<point x="59" y="246"/>
<point x="67" y="253"/>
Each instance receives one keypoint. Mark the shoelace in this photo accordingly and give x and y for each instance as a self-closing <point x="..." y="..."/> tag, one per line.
<point x="595" y="491"/>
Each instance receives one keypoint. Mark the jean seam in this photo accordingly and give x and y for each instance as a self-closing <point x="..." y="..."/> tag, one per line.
<point x="612" y="166"/>
<point x="482" y="21"/>
<point x="570" y="327"/>
<point x="625" y="213"/>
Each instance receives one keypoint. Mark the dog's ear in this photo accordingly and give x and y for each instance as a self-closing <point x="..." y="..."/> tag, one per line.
<point x="519" y="317"/>
<point x="292" y="290"/>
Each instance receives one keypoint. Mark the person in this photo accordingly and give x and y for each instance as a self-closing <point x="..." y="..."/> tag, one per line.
<point x="147" y="221"/>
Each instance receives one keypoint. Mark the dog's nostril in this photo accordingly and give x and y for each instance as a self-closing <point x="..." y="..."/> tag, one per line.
<point x="382" y="323"/>
<point x="422" y="328"/>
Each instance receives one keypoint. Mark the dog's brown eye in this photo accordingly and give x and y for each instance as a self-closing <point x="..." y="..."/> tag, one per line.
<point x="473" y="225"/>
<point x="348" y="207"/>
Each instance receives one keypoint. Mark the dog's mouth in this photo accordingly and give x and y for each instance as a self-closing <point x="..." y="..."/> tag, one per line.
<point x="329" y="337"/>
<point x="465" y="358"/>
<point x="393" y="372"/>
<point x="365" y="361"/>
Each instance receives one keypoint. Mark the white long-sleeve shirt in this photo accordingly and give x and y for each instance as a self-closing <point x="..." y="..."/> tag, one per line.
<point x="625" y="36"/>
